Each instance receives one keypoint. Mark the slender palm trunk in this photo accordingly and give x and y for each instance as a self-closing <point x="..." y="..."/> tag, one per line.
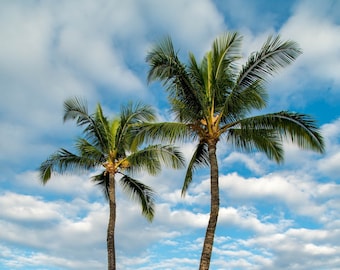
<point x="214" y="208"/>
<point x="111" y="227"/>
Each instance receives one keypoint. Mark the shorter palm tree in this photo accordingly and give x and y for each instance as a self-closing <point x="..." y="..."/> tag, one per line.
<point x="113" y="145"/>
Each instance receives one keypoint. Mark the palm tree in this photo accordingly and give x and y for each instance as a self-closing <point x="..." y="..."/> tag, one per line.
<point x="109" y="144"/>
<point x="215" y="100"/>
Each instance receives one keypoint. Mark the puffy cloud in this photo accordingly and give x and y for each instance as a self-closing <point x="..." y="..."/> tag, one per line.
<point x="249" y="162"/>
<point x="316" y="28"/>
<point x="316" y="247"/>
<point x="60" y="231"/>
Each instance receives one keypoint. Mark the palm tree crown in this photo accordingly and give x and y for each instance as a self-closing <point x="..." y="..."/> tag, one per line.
<point x="113" y="145"/>
<point x="214" y="100"/>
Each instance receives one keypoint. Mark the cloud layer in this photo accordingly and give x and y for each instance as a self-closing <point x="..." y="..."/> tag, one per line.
<point x="271" y="217"/>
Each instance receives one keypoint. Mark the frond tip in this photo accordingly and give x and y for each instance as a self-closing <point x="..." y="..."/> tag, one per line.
<point x="142" y="193"/>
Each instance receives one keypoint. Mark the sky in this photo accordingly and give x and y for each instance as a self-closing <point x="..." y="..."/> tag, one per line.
<point x="271" y="217"/>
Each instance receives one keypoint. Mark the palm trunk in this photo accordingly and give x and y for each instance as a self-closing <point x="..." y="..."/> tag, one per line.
<point x="214" y="208"/>
<point x="111" y="227"/>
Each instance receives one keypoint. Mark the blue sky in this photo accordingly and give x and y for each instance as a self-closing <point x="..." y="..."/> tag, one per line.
<point x="271" y="217"/>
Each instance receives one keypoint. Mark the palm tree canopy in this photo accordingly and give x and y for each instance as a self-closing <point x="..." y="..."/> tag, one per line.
<point x="114" y="145"/>
<point x="216" y="98"/>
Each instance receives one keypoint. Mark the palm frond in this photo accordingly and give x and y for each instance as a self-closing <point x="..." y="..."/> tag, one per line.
<point x="252" y="139"/>
<point x="142" y="193"/>
<point x="165" y="132"/>
<point x="161" y="59"/>
<point x="225" y="51"/>
<point x="102" y="180"/>
<point x="132" y="116"/>
<point x="76" y="108"/>
<point x="86" y="149"/>
<point x="150" y="159"/>
<point x="166" y="67"/>
<point x="238" y="104"/>
<point x="62" y="161"/>
<point x="138" y="112"/>
<point x="298" y="128"/>
<point x="199" y="159"/>
<point x="94" y="131"/>
<point x="273" y="55"/>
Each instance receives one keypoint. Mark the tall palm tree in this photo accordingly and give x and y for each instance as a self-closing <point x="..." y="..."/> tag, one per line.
<point x="109" y="144"/>
<point x="214" y="100"/>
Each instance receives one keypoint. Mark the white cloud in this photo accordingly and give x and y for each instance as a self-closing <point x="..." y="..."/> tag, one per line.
<point x="249" y="161"/>
<point x="300" y="248"/>
<point x="297" y="191"/>
<point x="316" y="28"/>
<point x="78" y="185"/>
<point x="193" y="24"/>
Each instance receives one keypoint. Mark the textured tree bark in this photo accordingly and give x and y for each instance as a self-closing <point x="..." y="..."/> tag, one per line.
<point x="111" y="255"/>
<point x="214" y="209"/>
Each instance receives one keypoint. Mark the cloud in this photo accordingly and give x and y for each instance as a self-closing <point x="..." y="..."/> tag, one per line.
<point x="249" y="162"/>
<point x="53" y="50"/>
<point x="316" y="247"/>
<point x="318" y="25"/>
<point x="193" y="27"/>
<point x="60" y="231"/>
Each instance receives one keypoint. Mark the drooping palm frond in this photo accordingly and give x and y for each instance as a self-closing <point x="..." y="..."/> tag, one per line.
<point x="298" y="128"/>
<point x="62" y="161"/>
<point x="142" y="193"/>
<point x="199" y="159"/>
<point x="251" y="139"/>
<point x="102" y="180"/>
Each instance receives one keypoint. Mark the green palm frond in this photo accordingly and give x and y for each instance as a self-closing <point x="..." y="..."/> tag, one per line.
<point x="86" y="149"/>
<point x="199" y="82"/>
<point x="102" y="180"/>
<point x="132" y="116"/>
<point x="199" y="159"/>
<point x="226" y="49"/>
<point x="162" y="60"/>
<point x="272" y="128"/>
<point x="274" y="54"/>
<point x="264" y="140"/>
<point x="162" y="132"/>
<point x="240" y="103"/>
<point x="134" y="113"/>
<point x="150" y="159"/>
<point x="62" y="161"/>
<point x="99" y="131"/>
<point x="76" y="109"/>
<point x="298" y="128"/>
<point x="166" y="67"/>
<point x="142" y="193"/>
